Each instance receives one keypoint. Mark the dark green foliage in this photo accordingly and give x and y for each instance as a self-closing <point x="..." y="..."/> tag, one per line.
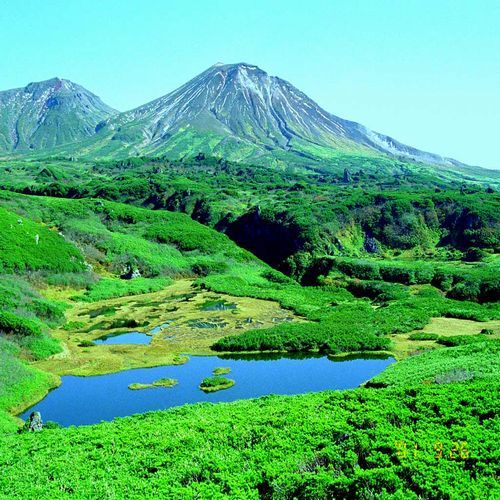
<point x="280" y="214"/>
<point x="215" y="383"/>
<point x="423" y="336"/>
<point x="86" y="343"/>
<point x="378" y="290"/>
<point x="473" y="283"/>
<point x="457" y="340"/>
<point x="10" y="324"/>
<point x="487" y="331"/>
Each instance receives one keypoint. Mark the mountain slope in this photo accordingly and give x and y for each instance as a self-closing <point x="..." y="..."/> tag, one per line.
<point x="240" y="112"/>
<point x="49" y="113"/>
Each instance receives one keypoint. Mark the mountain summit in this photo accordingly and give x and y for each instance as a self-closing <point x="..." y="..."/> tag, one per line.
<point x="241" y="112"/>
<point x="49" y="113"/>
<point x="235" y="111"/>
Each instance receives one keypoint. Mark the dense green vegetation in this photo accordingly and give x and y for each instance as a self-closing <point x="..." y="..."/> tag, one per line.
<point x="465" y="281"/>
<point x="25" y="245"/>
<point x="405" y="442"/>
<point x="78" y="241"/>
<point x="25" y="317"/>
<point x="339" y="323"/>
<point x="108" y="288"/>
<point x="479" y="361"/>
<point x="289" y="217"/>
<point x="364" y="259"/>
<point x="119" y="237"/>
<point x="215" y="383"/>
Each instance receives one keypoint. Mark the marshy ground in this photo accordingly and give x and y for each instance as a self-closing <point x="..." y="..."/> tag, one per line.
<point x="403" y="346"/>
<point x="181" y="319"/>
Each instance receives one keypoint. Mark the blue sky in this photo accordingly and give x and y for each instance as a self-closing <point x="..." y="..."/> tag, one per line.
<point x="426" y="72"/>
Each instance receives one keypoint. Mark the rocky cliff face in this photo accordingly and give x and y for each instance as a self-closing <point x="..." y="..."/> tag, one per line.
<point x="47" y="114"/>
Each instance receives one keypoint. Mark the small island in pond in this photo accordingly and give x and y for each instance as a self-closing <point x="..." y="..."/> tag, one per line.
<point x="221" y="371"/>
<point x="163" y="382"/>
<point x="214" y="384"/>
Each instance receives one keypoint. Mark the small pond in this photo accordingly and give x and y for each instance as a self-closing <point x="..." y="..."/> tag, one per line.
<point x="124" y="338"/>
<point x="89" y="400"/>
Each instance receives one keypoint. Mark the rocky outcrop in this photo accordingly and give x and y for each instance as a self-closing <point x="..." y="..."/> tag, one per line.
<point x="35" y="423"/>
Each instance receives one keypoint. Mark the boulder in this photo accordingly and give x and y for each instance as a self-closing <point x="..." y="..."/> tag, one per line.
<point x="35" y="423"/>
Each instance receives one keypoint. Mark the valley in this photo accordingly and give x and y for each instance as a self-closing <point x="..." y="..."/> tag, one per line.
<point x="229" y="292"/>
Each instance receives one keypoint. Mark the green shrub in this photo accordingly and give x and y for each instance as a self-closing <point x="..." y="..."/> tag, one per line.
<point x="26" y="245"/>
<point x="423" y="336"/>
<point x="458" y="340"/>
<point x="11" y="324"/>
<point x="108" y="288"/>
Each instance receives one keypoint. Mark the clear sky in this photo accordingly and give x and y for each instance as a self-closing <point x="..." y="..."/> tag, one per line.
<point x="426" y="72"/>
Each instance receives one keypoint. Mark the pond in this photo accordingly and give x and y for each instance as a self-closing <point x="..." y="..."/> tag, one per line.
<point x="89" y="400"/>
<point x="124" y="338"/>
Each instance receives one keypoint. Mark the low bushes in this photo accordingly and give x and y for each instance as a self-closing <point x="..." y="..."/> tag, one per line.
<point x="216" y="383"/>
<point x="457" y="340"/>
<point x="361" y="443"/>
<point x="11" y="324"/>
<point x="108" y="288"/>
<point x="26" y="245"/>
<point x="474" y="283"/>
<point x="481" y="359"/>
<point x="423" y="336"/>
<point x="334" y="335"/>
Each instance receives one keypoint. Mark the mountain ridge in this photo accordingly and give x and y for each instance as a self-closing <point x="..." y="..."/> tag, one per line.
<point x="49" y="113"/>
<point x="235" y="111"/>
<point x="278" y="113"/>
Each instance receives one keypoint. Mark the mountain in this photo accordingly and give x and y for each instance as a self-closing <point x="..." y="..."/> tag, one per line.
<point x="49" y="113"/>
<point x="240" y="112"/>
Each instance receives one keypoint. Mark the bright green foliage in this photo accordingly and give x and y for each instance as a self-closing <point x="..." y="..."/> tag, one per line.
<point x="26" y="245"/>
<point x="18" y="383"/>
<point x="216" y="383"/>
<point x="24" y="320"/>
<point x="340" y="323"/>
<point x="119" y="237"/>
<point x="393" y="248"/>
<point x="347" y="444"/>
<point x="457" y="340"/>
<point x="108" y="288"/>
<point x="347" y="329"/>
<point x="481" y="359"/>
<point x="10" y="324"/>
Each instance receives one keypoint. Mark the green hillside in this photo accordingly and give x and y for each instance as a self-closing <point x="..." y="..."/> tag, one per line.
<point x="418" y="442"/>
<point x="26" y="245"/>
<point x="405" y="266"/>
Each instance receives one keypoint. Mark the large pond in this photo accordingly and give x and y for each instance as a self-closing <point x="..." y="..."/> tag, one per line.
<point x="89" y="400"/>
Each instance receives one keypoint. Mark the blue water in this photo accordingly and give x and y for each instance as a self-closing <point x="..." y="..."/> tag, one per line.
<point x="125" y="338"/>
<point x="89" y="400"/>
<point x="158" y="329"/>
